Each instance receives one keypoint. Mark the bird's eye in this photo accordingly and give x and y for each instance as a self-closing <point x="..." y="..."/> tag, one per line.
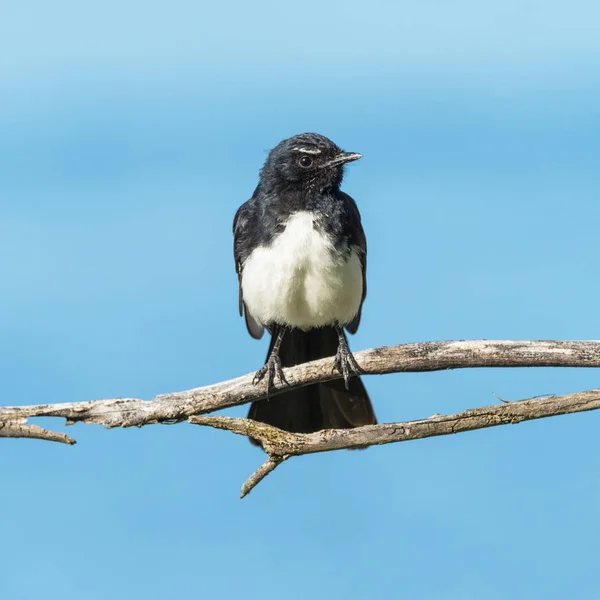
<point x="305" y="161"/>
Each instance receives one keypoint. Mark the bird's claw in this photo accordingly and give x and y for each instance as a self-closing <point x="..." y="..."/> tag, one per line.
<point x="346" y="364"/>
<point x="270" y="369"/>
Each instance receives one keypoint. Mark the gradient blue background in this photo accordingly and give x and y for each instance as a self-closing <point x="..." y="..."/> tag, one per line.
<point x="130" y="133"/>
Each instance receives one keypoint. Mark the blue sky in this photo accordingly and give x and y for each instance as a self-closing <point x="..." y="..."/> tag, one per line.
<point x="129" y="135"/>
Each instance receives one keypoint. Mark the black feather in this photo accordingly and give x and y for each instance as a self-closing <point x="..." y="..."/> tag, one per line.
<point x="319" y="406"/>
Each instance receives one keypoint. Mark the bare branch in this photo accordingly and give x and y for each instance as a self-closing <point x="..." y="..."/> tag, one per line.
<point x="281" y="445"/>
<point x="426" y="356"/>
<point x="20" y="429"/>
<point x="259" y="475"/>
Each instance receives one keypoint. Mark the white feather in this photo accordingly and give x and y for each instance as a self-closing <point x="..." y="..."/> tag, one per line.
<point x="300" y="280"/>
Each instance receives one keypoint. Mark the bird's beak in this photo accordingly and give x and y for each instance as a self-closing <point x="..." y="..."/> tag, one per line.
<point x="342" y="158"/>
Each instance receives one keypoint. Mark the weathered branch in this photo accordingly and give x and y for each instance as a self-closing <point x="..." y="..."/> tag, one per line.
<point x="281" y="445"/>
<point x="426" y="356"/>
<point x="20" y="429"/>
<point x="260" y="474"/>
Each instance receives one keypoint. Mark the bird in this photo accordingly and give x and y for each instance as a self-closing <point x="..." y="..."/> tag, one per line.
<point x="300" y="254"/>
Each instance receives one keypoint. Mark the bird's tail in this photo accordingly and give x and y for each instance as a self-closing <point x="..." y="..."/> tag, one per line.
<point x="318" y="406"/>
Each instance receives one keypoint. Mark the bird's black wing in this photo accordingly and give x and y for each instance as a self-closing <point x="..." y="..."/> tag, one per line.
<point x="242" y="247"/>
<point x="357" y="238"/>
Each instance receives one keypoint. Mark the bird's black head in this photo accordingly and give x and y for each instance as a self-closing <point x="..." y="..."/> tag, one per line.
<point x="308" y="161"/>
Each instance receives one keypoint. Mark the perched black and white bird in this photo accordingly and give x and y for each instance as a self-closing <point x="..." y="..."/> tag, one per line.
<point x="301" y="256"/>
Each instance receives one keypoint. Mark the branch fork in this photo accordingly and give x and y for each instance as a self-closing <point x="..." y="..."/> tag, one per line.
<point x="281" y="445"/>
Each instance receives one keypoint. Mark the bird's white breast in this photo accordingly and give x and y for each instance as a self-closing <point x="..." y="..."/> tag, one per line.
<point x="301" y="280"/>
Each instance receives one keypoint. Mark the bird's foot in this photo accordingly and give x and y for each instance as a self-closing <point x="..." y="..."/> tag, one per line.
<point x="346" y="364"/>
<point x="271" y="368"/>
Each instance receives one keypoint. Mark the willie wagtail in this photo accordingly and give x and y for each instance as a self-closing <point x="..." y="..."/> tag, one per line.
<point x="301" y="258"/>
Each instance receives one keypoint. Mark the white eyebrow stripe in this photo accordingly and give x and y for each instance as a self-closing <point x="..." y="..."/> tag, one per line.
<point x="308" y="150"/>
